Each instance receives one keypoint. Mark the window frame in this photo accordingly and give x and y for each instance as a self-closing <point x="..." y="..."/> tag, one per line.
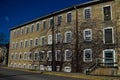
<point x="31" y="44"/>
<point x="43" y="24"/>
<point x="42" y="41"/>
<point x="69" y="56"/>
<point x="112" y="35"/>
<point x="87" y="35"/>
<point x="70" y="12"/>
<point x="85" y="14"/>
<point x="32" y="28"/>
<point x="103" y="12"/>
<point x="36" y="44"/>
<point x="59" y="20"/>
<point x="58" y="41"/>
<point x="49" y="39"/>
<point x="48" y="56"/>
<point x="84" y="55"/>
<point x="37" y="27"/>
<point x="42" y="59"/>
<point x="57" y="56"/>
<point x="114" y="57"/>
<point x="66" y="37"/>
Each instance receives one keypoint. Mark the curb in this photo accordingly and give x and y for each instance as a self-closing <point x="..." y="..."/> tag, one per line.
<point x="70" y="75"/>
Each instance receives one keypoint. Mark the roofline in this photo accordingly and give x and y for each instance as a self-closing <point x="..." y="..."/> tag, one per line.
<point x="63" y="10"/>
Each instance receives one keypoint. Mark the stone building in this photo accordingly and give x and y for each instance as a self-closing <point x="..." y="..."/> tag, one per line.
<point x="82" y="38"/>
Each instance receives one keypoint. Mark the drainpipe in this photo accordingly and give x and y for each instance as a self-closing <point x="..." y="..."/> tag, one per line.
<point x="76" y="45"/>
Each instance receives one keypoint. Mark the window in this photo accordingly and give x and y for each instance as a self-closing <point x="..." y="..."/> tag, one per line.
<point x="50" y="39"/>
<point x="87" y="13"/>
<point x="51" y="22"/>
<point x="43" y="24"/>
<point x="67" y="69"/>
<point x="21" y="43"/>
<point x="20" y="56"/>
<point x="17" y="33"/>
<point x="15" y="56"/>
<point x="22" y="31"/>
<point x="36" y="56"/>
<point x="107" y="13"/>
<point x="16" y="44"/>
<point x="87" y="34"/>
<point x="42" y="40"/>
<point x="13" y="45"/>
<point x="58" y="38"/>
<point x="12" y="56"/>
<point x="36" y="42"/>
<point x="109" y="57"/>
<point x="49" y="56"/>
<point x="26" y="43"/>
<point x="87" y="55"/>
<point x="108" y="35"/>
<point x="68" y="37"/>
<point x="14" y="33"/>
<point x="58" y="55"/>
<point x="25" y="56"/>
<point x="59" y="20"/>
<point x="30" y="56"/>
<point x="68" y="55"/>
<point x="27" y="30"/>
<point x="32" y="28"/>
<point x="42" y="56"/>
<point x="41" y="67"/>
<point x="31" y="42"/>
<point x="69" y="17"/>
<point x="37" y="26"/>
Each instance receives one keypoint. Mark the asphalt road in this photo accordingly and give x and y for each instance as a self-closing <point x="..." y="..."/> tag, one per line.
<point x="6" y="74"/>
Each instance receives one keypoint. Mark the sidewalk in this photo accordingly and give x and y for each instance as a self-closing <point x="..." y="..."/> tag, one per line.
<point x="72" y="75"/>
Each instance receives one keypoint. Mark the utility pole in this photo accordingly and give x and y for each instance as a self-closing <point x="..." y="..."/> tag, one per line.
<point x="53" y="47"/>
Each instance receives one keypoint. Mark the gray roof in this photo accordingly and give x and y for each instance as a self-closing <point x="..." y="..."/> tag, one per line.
<point x="63" y="10"/>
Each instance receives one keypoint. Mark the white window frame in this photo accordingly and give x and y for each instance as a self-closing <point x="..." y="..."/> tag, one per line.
<point x="38" y="23"/>
<point x="20" y="55"/>
<point x="17" y="44"/>
<point x="57" y="37"/>
<point x="70" y="12"/>
<point x="113" y="55"/>
<point x="41" y="40"/>
<point x="50" y="22"/>
<point x="67" y="69"/>
<point x="56" y="55"/>
<point x="112" y="34"/>
<point x="27" y="27"/>
<point x="84" y="58"/>
<point x="87" y="35"/>
<point x="29" y="56"/>
<point x="13" y="45"/>
<point x="43" y="56"/>
<point x="66" y="55"/>
<point x="30" y="42"/>
<point x="90" y="12"/>
<point x="35" y="41"/>
<point x="25" y="43"/>
<point x="22" y="30"/>
<point x="103" y="11"/>
<point x="66" y="36"/>
<point x="58" y="20"/>
<point x="21" y="43"/>
<point x="48" y="56"/>
<point x="42" y="67"/>
<point x="36" y="58"/>
<point x="25" y="56"/>
<point x="45" y="24"/>
<point x="49" y="39"/>
<point x="32" y="28"/>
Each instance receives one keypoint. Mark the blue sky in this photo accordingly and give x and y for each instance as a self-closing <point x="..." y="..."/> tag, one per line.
<point x="16" y="12"/>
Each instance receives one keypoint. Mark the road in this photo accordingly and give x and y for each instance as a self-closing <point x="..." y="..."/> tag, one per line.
<point x="7" y="74"/>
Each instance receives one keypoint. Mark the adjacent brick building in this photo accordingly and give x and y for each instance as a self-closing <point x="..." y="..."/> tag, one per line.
<point x="82" y="38"/>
